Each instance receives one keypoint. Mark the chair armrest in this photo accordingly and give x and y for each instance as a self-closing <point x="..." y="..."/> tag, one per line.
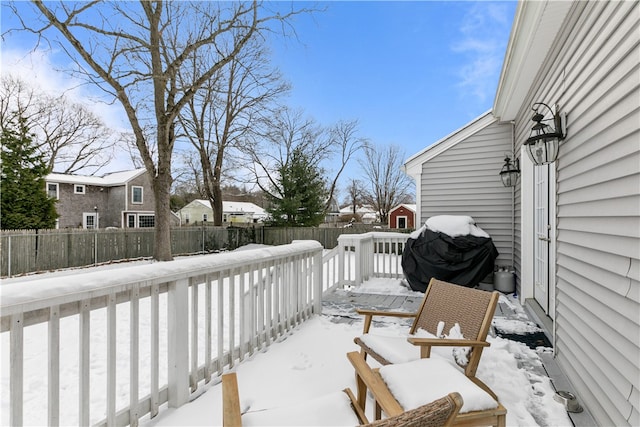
<point x="375" y="383"/>
<point x="368" y="316"/>
<point x="445" y="342"/>
<point x="426" y="344"/>
<point x="366" y="312"/>
<point x="231" y="416"/>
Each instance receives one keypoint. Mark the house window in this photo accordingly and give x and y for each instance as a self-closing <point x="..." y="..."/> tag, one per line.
<point x="52" y="190"/>
<point x="186" y="217"/>
<point x="205" y="217"/>
<point x="78" y="189"/>
<point x="146" y="221"/>
<point x="136" y="195"/>
<point x="131" y="220"/>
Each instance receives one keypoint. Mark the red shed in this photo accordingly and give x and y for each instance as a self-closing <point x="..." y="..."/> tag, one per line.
<point x="403" y="216"/>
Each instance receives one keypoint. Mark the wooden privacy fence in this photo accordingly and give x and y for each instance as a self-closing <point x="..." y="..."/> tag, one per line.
<point x="27" y="251"/>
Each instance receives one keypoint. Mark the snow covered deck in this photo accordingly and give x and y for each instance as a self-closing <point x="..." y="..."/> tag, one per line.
<point x="143" y="344"/>
<point x="312" y="362"/>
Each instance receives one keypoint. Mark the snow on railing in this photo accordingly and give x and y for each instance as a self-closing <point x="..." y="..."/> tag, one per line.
<point x="122" y="342"/>
<point x="368" y="255"/>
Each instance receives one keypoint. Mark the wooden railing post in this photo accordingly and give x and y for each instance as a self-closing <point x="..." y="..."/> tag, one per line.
<point x="178" y="345"/>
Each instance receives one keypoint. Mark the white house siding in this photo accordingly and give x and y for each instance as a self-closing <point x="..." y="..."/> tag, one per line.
<point x="592" y="73"/>
<point x="464" y="180"/>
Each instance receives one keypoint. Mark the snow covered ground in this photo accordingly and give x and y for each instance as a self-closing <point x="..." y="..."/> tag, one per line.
<point x="310" y="362"/>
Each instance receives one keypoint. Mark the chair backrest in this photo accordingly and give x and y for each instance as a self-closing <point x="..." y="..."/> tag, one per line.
<point x="472" y="309"/>
<point x="438" y="413"/>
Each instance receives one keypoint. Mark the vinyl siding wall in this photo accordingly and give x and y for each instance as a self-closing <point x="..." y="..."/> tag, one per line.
<point x="464" y="180"/>
<point x="593" y="74"/>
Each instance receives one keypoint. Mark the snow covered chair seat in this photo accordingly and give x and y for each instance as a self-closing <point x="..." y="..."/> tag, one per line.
<point x="445" y="307"/>
<point x="401" y="387"/>
<point x="339" y="408"/>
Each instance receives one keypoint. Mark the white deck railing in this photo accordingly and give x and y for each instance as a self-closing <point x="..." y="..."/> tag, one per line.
<point x="148" y="335"/>
<point x="374" y="254"/>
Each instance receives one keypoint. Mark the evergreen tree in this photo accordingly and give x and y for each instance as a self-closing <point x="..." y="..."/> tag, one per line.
<point x="299" y="196"/>
<point x="24" y="203"/>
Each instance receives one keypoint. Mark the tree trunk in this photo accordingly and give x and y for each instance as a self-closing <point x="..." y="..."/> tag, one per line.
<point x="161" y="190"/>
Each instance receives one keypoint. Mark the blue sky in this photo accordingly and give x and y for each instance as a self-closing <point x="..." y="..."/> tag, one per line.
<point x="410" y="72"/>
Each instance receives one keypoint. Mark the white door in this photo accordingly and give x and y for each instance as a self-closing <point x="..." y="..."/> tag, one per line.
<point x="544" y="223"/>
<point x="90" y="220"/>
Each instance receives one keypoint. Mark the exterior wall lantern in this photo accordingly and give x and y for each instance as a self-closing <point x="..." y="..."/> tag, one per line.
<point x="510" y="172"/>
<point x="544" y="140"/>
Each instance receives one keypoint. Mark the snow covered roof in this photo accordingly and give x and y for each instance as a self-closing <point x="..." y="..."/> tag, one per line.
<point x="107" y="180"/>
<point x="361" y="209"/>
<point x="409" y="206"/>
<point x="236" y="207"/>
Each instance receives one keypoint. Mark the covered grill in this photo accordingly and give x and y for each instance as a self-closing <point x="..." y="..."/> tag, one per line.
<point x="450" y="248"/>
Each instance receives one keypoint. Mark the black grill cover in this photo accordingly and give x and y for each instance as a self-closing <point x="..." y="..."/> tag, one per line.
<point x="463" y="260"/>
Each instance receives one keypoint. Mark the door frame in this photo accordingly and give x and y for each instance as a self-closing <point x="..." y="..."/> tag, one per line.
<point x="527" y="204"/>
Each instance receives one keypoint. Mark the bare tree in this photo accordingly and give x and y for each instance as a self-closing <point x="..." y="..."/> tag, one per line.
<point x="286" y="133"/>
<point x="345" y="142"/>
<point x="135" y="51"/>
<point x="221" y="114"/>
<point x="388" y="184"/>
<point x="70" y="137"/>
<point x="355" y="194"/>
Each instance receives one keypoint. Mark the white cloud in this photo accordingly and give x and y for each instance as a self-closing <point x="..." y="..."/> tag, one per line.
<point x="484" y="33"/>
<point x="38" y="69"/>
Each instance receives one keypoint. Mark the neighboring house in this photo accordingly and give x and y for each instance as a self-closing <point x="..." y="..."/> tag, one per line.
<point x="199" y="210"/>
<point x="403" y="216"/>
<point x="119" y="199"/>
<point x="576" y="227"/>
<point x="366" y="213"/>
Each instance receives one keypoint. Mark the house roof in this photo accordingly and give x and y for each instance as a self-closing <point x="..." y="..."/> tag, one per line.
<point x="410" y="206"/>
<point x="535" y="26"/>
<point x="234" y="207"/>
<point x="108" y="180"/>
<point x="361" y="209"/>
<point x="413" y="165"/>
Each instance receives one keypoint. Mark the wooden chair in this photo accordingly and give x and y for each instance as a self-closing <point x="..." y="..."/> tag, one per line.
<point x="472" y="309"/>
<point x="413" y="382"/>
<point x="440" y="412"/>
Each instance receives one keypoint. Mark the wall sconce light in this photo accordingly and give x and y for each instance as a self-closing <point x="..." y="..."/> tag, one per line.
<point x="510" y="172"/>
<point x="544" y="140"/>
